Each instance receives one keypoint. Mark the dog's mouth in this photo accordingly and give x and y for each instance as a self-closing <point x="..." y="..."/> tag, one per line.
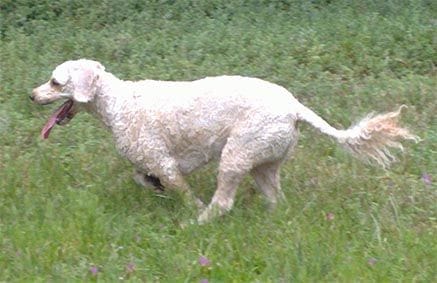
<point x="61" y="117"/>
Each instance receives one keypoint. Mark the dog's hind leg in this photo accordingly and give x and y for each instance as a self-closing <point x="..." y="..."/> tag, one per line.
<point x="257" y="151"/>
<point x="223" y="199"/>
<point x="267" y="179"/>
<point x="236" y="161"/>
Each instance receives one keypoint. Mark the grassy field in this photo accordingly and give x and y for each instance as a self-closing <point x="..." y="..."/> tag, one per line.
<point x="70" y="212"/>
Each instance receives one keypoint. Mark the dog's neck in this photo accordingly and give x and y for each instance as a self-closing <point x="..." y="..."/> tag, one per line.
<point x="109" y="100"/>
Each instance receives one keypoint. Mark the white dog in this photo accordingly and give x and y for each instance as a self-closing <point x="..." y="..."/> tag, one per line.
<point x="169" y="129"/>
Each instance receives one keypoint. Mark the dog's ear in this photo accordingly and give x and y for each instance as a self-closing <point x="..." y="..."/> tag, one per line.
<point x="84" y="80"/>
<point x="84" y="85"/>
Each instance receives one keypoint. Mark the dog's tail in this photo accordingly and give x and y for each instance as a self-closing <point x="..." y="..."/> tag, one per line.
<point x="370" y="139"/>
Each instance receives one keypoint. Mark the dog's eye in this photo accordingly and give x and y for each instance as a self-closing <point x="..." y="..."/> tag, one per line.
<point x="54" y="82"/>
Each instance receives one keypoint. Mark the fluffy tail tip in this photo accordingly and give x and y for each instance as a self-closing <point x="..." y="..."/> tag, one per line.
<point x="373" y="137"/>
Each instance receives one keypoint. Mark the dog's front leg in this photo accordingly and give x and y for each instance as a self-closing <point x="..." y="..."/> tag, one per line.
<point x="165" y="170"/>
<point x="148" y="181"/>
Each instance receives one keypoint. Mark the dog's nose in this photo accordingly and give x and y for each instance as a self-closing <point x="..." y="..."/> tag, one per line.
<point x="33" y="95"/>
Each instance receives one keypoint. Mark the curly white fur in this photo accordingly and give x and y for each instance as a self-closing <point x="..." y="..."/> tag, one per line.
<point x="169" y="129"/>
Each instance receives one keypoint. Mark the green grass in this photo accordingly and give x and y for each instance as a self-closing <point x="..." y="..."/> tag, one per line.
<point x="69" y="210"/>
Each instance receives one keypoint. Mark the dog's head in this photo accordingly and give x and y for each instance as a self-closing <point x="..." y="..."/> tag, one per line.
<point x="74" y="81"/>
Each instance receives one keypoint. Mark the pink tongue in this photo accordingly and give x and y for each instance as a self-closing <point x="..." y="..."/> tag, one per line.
<point x="61" y="112"/>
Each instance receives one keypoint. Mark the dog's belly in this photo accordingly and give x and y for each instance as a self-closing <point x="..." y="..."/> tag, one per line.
<point x="196" y="156"/>
<point x="189" y="163"/>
